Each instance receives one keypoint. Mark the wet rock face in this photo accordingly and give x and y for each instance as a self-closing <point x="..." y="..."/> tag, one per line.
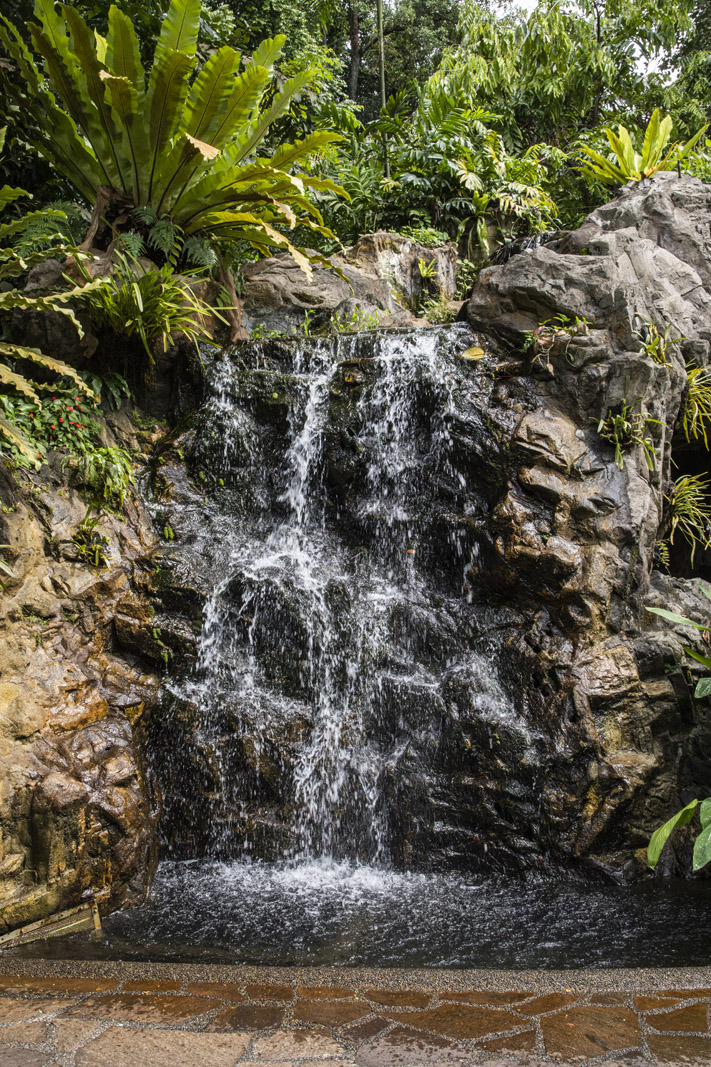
<point x="576" y="536"/>
<point x="77" y="814"/>
<point x="515" y="704"/>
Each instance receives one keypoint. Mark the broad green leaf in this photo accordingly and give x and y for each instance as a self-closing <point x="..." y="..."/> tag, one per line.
<point x="8" y="195"/>
<point x="105" y="132"/>
<point x="705" y="812"/>
<point x="660" y="837"/>
<point x="702" y="849"/>
<point x="179" y="32"/>
<point x="651" y="138"/>
<point x="18" y="439"/>
<point x="210" y="93"/>
<point x="124" y="103"/>
<point x="289" y="154"/>
<point x="123" y="58"/>
<point x="671" y="616"/>
<point x="269" y="51"/>
<point x="167" y="91"/>
<point x="241" y="104"/>
<point x="56" y="365"/>
<point x="703" y="687"/>
<point x="8" y="377"/>
<point x="706" y="660"/>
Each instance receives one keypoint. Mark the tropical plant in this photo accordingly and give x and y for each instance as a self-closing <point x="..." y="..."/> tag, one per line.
<point x="658" y="346"/>
<point x="13" y="263"/>
<point x="183" y="142"/>
<point x="691" y="511"/>
<point x="106" y="472"/>
<point x="626" y="427"/>
<point x="703" y="686"/>
<point x="91" y="545"/>
<point x="425" y="235"/>
<point x="702" y="845"/>
<point x="634" y="165"/>
<point x="438" y="310"/>
<point x="697" y="406"/>
<point x="5" y="566"/>
<point x="150" y="303"/>
<point x="540" y="340"/>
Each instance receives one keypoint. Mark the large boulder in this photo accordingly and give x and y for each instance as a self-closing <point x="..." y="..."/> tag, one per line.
<point x="377" y="282"/>
<point x="574" y="537"/>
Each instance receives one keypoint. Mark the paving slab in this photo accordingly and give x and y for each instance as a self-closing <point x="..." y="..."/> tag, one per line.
<point x="119" y="1047"/>
<point x="18" y="1009"/>
<point x="164" y="1015"/>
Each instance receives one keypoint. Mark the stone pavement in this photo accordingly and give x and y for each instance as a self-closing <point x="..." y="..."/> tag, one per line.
<point x="50" y="1017"/>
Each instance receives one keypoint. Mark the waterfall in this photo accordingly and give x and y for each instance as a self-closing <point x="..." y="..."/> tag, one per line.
<point x="340" y="646"/>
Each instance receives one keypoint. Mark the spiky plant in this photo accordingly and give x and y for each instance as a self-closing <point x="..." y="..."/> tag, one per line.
<point x="697" y="407"/>
<point x="633" y="165"/>
<point x="691" y="511"/>
<point x="182" y="141"/>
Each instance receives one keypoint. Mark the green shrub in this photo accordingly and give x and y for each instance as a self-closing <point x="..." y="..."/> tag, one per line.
<point x="148" y="303"/>
<point x="633" y="165"/>
<point x="106" y="472"/>
<point x="179" y="139"/>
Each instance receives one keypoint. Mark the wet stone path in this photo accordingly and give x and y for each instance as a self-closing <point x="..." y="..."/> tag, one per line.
<point x="55" y="1020"/>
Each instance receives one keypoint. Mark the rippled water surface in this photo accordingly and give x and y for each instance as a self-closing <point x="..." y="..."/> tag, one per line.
<point x="326" y="913"/>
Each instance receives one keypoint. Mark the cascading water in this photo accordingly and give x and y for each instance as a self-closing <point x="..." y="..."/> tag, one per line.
<point x="330" y="621"/>
<point x="350" y="754"/>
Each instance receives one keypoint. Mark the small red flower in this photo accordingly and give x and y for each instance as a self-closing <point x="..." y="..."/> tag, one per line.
<point x="61" y="419"/>
<point x="77" y="399"/>
<point x="53" y="426"/>
<point x="31" y="415"/>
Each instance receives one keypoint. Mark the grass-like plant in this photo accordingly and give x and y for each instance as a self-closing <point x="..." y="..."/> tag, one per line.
<point x="148" y="303"/>
<point x="626" y="428"/>
<point x="182" y="140"/>
<point x="691" y="511"/>
<point x="658" y="346"/>
<point x="697" y="406"/>
<point x="632" y="164"/>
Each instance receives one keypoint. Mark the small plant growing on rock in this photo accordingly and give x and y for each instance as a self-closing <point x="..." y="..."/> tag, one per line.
<point x="149" y="304"/>
<point x="691" y="511"/>
<point x="631" y="165"/>
<point x="106" y="472"/>
<point x="426" y="236"/>
<point x="697" y="406"/>
<point x="540" y="341"/>
<point x="438" y="311"/>
<point x="625" y="428"/>
<point x="658" y="346"/>
<point x="92" y="546"/>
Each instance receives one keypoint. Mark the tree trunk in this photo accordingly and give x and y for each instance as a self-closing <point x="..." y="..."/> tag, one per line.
<point x="356" y="55"/>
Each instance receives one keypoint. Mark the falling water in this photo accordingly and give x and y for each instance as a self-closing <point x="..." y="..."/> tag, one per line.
<point x="348" y="764"/>
<point x="338" y="638"/>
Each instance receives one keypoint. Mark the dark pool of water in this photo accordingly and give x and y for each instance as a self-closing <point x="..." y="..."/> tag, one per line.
<point x="328" y="913"/>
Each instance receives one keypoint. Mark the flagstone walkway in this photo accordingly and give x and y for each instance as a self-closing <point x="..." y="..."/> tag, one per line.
<point x="58" y="1015"/>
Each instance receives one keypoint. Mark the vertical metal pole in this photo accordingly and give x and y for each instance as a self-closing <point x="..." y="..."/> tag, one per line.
<point x="383" y="99"/>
